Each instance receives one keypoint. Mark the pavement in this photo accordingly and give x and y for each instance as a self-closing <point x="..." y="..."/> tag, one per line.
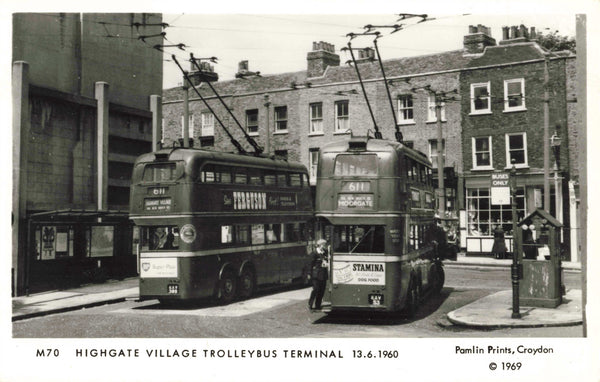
<point x="492" y="311"/>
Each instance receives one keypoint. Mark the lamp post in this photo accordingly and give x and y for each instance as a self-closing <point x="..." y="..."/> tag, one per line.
<point x="555" y="141"/>
<point x="515" y="264"/>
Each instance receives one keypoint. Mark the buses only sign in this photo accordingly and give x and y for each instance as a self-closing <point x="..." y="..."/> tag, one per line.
<point x="500" y="188"/>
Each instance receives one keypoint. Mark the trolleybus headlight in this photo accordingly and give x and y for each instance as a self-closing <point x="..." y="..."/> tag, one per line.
<point x="188" y="233"/>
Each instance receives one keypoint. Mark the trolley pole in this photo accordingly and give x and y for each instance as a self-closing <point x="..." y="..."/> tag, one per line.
<point x="515" y="264"/>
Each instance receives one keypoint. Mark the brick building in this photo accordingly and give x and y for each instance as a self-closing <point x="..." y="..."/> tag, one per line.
<point x="502" y="118"/>
<point x="293" y="114"/>
<point x="82" y="85"/>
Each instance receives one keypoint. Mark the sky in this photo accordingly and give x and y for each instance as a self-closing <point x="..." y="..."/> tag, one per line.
<point x="278" y="43"/>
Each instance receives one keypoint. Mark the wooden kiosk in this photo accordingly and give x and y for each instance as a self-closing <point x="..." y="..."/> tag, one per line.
<point x="539" y="249"/>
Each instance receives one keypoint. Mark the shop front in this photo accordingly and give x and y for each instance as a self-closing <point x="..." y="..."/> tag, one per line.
<point x="73" y="247"/>
<point x="482" y="215"/>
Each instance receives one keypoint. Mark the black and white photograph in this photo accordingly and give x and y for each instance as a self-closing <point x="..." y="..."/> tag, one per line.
<point x="245" y="191"/>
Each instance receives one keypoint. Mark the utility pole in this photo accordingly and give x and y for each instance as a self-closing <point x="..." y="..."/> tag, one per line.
<point x="186" y="114"/>
<point x="440" y="156"/>
<point x="267" y="105"/>
<point x="546" y="138"/>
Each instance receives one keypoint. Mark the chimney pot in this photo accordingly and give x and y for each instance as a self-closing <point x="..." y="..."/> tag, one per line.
<point x="505" y="33"/>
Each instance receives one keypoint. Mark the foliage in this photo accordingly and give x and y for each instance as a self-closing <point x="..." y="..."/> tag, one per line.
<point x="555" y="42"/>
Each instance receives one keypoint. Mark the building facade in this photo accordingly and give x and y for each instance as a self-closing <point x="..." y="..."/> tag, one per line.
<point x="486" y="91"/>
<point x="82" y="87"/>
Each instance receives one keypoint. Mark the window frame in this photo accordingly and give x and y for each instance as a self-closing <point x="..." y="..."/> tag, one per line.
<point x="507" y="107"/>
<point x="190" y="125"/>
<point x="487" y="110"/>
<point x="474" y="153"/>
<point x="315" y="121"/>
<point x="279" y="121"/>
<point x="250" y="112"/>
<point x="207" y="129"/>
<point x="508" y="150"/>
<point x="431" y="117"/>
<point x="343" y="119"/>
<point x="434" y="162"/>
<point x="313" y="163"/>
<point x="402" y="108"/>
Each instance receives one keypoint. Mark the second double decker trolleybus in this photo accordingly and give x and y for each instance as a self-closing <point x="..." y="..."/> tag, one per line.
<point x="218" y="225"/>
<point x="376" y="203"/>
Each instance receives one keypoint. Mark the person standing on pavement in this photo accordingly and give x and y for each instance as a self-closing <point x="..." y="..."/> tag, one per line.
<point x="319" y="274"/>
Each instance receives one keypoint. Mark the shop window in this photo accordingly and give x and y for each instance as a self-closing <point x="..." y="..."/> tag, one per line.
<point x="482" y="153"/>
<point x="53" y="242"/>
<point x="484" y="217"/>
<point x="516" y="149"/>
<point x="514" y="94"/>
<point x="480" y="98"/>
<point x="101" y="241"/>
<point x="405" y="109"/>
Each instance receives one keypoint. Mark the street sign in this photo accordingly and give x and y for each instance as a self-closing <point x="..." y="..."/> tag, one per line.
<point x="500" y="188"/>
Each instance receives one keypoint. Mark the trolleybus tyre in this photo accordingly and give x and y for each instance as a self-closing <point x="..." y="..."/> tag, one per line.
<point x="227" y="287"/>
<point x="246" y="283"/>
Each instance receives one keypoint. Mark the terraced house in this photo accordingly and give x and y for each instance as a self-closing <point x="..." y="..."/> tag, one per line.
<point x="491" y="97"/>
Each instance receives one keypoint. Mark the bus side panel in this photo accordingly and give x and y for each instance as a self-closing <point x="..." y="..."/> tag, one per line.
<point x="196" y="278"/>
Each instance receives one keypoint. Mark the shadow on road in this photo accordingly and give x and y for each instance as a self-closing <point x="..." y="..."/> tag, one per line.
<point x="211" y="302"/>
<point x="429" y="306"/>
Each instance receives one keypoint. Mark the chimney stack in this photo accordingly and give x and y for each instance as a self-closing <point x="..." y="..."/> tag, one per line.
<point x="518" y="34"/>
<point x="478" y="38"/>
<point x="322" y="56"/>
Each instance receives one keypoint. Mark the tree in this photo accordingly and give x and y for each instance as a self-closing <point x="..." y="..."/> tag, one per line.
<point x="555" y="42"/>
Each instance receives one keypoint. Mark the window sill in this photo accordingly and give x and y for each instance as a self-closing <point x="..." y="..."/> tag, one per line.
<point x="485" y="112"/>
<point x="253" y="134"/>
<point x="281" y="132"/>
<point x="514" y="110"/>
<point x="519" y="166"/>
<point x="407" y="122"/>
<point x="487" y="168"/>
<point x="435" y="121"/>
<point x="342" y="132"/>
<point x="316" y="134"/>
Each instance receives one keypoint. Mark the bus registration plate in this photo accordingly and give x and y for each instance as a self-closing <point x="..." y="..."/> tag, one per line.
<point x="375" y="299"/>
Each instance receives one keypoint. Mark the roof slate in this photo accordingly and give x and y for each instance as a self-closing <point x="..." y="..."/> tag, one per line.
<point x="407" y="66"/>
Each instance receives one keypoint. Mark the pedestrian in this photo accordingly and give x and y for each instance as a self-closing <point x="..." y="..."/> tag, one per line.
<point x="439" y="238"/>
<point x="499" y="248"/>
<point x="319" y="274"/>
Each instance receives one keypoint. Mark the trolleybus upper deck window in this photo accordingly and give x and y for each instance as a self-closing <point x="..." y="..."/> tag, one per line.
<point x="159" y="172"/>
<point x="350" y="164"/>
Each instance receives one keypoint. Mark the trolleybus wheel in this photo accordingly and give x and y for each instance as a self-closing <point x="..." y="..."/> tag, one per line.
<point x="227" y="287"/>
<point x="246" y="283"/>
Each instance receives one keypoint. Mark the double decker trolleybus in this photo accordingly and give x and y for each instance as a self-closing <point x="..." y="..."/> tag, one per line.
<point x="215" y="224"/>
<point x="375" y="202"/>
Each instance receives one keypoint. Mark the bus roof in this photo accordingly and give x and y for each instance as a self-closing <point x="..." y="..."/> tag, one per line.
<point x="201" y="156"/>
<point x="362" y="143"/>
